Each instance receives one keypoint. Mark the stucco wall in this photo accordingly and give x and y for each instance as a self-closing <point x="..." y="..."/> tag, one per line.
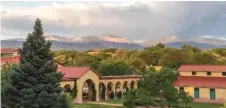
<point x="204" y="93"/>
<point x="63" y="83"/>
<point x="94" y="78"/>
<point x="213" y="74"/>
<point x="220" y="93"/>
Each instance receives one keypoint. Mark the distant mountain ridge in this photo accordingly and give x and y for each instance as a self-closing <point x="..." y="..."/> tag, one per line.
<point x="80" y="43"/>
<point x="111" y="41"/>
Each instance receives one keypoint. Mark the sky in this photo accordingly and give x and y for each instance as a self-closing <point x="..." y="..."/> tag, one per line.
<point x="134" y="20"/>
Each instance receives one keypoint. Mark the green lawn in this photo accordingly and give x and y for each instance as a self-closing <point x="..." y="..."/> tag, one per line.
<point x="85" y="105"/>
<point x="193" y="105"/>
<point x="205" y="105"/>
<point x="115" y="101"/>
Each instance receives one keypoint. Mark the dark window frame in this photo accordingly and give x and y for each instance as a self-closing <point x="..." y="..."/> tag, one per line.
<point x="208" y="73"/>
<point x="193" y="72"/>
<point x="223" y="73"/>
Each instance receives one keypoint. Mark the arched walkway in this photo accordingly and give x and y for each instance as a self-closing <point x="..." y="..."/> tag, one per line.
<point x="118" y="90"/>
<point x="88" y="91"/>
<point x="67" y="88"/>
<point x="125" y="86"/>
<point x="109" y="89"/>
<point x="102" y="90"/>
<point x="132" y="85"/>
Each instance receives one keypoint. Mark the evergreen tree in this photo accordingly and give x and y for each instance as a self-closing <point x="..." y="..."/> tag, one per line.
<point x="35" y="83"/>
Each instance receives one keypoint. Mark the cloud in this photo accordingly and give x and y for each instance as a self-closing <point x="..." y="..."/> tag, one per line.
<point x="133" y="20"/>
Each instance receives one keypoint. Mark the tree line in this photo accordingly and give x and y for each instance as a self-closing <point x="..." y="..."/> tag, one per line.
<point x="111" y="61"/>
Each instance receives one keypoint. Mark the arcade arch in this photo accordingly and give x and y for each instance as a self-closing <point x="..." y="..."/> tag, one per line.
<point x="88" y="91"/>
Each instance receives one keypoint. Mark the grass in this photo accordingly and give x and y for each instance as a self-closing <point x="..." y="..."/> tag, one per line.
<point x="85" y="105"/>
<point x="193" y="105"/>
<point x="205" y="105"/>
<point x="114" y="101"/>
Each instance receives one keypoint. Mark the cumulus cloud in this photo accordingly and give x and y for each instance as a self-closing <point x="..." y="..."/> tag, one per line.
<point x="133" y="20"/>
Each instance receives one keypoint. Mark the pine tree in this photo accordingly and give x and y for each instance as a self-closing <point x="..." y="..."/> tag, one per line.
<point x="36" y="82"/>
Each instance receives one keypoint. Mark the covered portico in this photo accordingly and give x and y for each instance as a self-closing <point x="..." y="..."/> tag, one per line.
<point x="89" y="85"/>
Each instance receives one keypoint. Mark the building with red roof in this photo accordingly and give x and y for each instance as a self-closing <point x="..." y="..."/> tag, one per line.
<point x="9" y="52"/>
<point x="206" y="83"/>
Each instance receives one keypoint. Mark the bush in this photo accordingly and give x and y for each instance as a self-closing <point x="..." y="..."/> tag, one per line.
<point x="119" y="95"/>
<point x="129" y="99"/>
<point x="112" y="95"/>
<point x="69" y="100"/>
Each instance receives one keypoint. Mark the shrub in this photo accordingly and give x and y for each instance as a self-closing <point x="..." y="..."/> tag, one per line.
<point x="69" y="100"/>
<point x="112" y="95"/>
<point x="119" y="95"/>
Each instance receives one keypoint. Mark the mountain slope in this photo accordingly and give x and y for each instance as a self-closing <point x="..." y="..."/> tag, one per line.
<point x="196" y="44"/>
<point x="81" y="43"/>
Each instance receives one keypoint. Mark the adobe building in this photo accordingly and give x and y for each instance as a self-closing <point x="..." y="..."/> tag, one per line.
<point x="206" y="83"/>
<point x="87" y="80"/>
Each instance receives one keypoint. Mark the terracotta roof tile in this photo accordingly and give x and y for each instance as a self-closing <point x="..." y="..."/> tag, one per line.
<point x="8" y="50"/>
<point x="210" y="82"/>
<point x="74" y="72"/>
<point x="188" y="68"/>
<point x="10" y="60"/>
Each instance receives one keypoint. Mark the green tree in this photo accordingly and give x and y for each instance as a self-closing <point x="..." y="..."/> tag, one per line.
<point x="185" y="98"/>
<point x="205" y="58"/>
<point x="115" y="67"/>
<point x="129" y="99"/>
<point x="36" y="82"/>
<point x="174" y="58"/>
<point x="6" y="72"/>
<point x="138" y="64"/>
<point x="170" y="94"/>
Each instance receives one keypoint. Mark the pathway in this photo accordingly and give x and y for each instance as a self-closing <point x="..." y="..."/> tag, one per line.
<point x="104" y="103"/>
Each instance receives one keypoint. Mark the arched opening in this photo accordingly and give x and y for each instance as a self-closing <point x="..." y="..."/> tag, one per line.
<point x="125" y="86"/>
<point x="88" y="91"/>
<point x="132" y="85"/>
<point x="102" y="90"/>
<point x="67" y="88"/>
<point x="118" y="92"/>
<point x="110" y="92"/>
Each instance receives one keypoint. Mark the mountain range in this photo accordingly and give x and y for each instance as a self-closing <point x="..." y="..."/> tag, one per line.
<point x="111" y="41"/>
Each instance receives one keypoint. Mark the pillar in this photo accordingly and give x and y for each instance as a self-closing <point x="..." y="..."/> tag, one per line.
<point x="79" y="93"/>
<point x="97" y="91"/>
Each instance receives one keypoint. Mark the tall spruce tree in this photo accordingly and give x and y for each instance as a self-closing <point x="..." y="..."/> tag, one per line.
<point x="36" y="82"/>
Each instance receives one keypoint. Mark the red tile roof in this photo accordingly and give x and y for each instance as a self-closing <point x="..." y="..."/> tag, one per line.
<point x="10" y="60"/>
<point x="16" y="60"/>
<point x="188" y="68"/>
<point x="75" y="72"/>
<point x="122" y="77"/>
<point x="8" y="50"/>
<point x="210" y="82"/>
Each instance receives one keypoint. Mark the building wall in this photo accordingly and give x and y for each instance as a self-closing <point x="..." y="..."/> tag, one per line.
<point x="213" y="74"/>
<point x="63" y="83"/>
<point x="15" y="53"/>
<point x="204" y="93"/>
<point x="190" y="90"/>
<point x="7" y="55"/>
<point x="80" y="82"/>
<point x="221" y="93"/>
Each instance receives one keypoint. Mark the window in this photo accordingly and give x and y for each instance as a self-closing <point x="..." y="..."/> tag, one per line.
<point x="181" y="89"/>
<point x="193" y="73"/>
<point x="196" y="93"/>
<point x="212" y="94"/>
<point x="223" y="73"/>
<point x="208" y="73"/>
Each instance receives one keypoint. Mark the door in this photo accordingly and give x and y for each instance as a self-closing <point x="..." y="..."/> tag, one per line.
<point x="212" y="94"/>
<point x="196" y="93"/>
